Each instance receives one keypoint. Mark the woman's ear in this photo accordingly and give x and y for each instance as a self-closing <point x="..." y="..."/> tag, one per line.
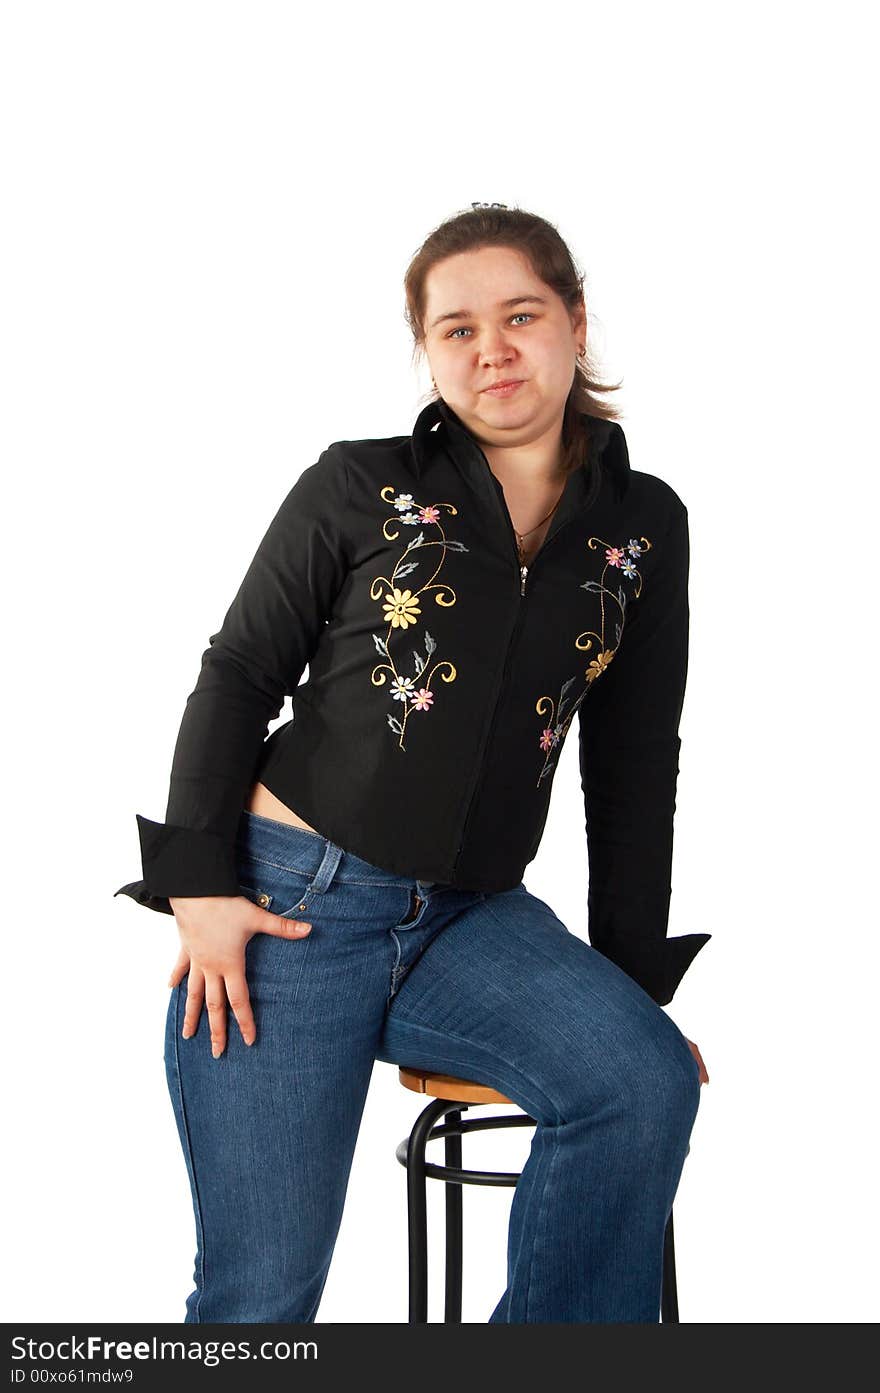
<point x="579" y="324"/>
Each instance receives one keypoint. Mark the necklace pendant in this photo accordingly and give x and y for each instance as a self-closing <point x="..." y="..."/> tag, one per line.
<point x="523" y="571"/>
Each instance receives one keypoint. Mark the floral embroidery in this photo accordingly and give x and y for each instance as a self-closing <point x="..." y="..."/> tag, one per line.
<point x="402" y="611"/>
<point x="622" y="558"/>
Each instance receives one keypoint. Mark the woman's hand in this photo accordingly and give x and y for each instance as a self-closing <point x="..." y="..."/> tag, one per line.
<point x="214" y="932"/>
<point x="704" y="1077"/>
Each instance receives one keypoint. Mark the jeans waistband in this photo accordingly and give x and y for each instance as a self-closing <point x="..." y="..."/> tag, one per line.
<point x="295" y="848"/>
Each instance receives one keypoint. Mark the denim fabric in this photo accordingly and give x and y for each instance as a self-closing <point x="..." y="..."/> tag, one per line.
<point x="488" y="986"/>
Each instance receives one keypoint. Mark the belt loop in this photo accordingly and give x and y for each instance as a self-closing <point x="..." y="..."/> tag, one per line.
<point x="327" y="869"/>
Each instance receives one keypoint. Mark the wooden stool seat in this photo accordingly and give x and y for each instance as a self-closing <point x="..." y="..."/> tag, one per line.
<point x="447" y="1086"/>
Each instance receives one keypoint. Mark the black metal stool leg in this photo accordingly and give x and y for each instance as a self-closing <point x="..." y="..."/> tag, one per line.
<point x="454" y="1202"/>
<point x="669" y="1298"/>
<point x="411" y="1154"/>
<point x="418" y="1211"/>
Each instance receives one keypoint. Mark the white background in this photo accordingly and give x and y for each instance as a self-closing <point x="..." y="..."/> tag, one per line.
<point x="209" y="209"/>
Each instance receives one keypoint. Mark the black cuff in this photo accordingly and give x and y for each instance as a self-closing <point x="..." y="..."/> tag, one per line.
<point x="181" y="861"/>
<point x="139" y="892"/>
<point x="675" y="959"/>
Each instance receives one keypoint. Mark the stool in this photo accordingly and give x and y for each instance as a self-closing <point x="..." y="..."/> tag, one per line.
<point x="453" y="1096"/>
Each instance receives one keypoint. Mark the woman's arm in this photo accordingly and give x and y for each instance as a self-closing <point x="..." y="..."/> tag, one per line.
<point x="629" y="749"/>
<point x="269" y="634"/>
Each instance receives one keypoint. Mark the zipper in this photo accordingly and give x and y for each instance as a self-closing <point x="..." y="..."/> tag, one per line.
<point x="502" y="503"/>
<point x="478" y="762"/>
<point x="525" y="571"/>
<point x="523" y="577"/>
<point x="414" y="911"/>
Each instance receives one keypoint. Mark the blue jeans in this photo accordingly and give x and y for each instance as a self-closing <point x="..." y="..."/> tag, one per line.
<point x="491" y="987"/>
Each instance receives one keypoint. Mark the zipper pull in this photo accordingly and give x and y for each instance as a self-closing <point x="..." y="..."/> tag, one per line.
<point x="415" y="905"/>
<point x="523" y="571"/>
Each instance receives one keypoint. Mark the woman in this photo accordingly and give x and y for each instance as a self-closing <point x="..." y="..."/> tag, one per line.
<point x="352" y="886"/>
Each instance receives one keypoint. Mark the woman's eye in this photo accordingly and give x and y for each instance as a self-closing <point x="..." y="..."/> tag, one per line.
<point x="522" y="315"/>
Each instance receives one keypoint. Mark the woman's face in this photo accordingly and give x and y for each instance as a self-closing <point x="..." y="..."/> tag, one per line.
<point x="475" y="337"/>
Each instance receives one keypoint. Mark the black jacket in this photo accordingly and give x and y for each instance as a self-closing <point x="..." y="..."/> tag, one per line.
<point x="443" y="680"/>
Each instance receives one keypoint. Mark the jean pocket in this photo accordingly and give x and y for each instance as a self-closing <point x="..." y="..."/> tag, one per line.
<point x="303" y="906"/>
<point x="257" y="895"/>
<point x="272" y="889"/>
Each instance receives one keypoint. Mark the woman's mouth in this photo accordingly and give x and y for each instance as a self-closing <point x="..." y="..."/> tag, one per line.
<point x="505" y="389"/>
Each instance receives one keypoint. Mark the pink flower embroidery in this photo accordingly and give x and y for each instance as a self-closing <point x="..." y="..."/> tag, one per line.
<point x="567" y="703"/>
<point x="422" y="558"/>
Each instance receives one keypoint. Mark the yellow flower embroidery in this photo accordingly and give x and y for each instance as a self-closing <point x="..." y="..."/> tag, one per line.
<point x="401" y="608"/>
<point x="598" y="665"/>
<point x="402" y="611"/>
<point x="562" y="712"/>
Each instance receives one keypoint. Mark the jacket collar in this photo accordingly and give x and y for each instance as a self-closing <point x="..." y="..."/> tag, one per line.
<point x="437" y="427"/>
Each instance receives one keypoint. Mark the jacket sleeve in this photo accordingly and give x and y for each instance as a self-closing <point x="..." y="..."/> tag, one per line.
<point x="252" y="663"/>
<point x="629" y="759"/>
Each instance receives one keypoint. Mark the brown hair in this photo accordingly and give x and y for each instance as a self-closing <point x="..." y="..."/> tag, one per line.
<point x="553" y="263"/>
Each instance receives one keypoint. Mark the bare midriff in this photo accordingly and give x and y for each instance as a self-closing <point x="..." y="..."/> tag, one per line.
<point x="264" y="803"/>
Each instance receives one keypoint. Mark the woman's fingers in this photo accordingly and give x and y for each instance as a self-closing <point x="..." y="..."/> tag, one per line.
<point x="180" y="968"/>
<point x="694" y="1049"/>
<point x="212" y="953"/>
<point x="240" y="1001"/>
<point x="211" y="989"/>
<point x="215" y="1000"/>
<point x="195" y="995"/>
<point x="276" y="924"/>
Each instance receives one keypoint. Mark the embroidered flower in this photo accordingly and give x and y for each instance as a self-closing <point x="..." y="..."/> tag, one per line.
<point x="598" y="665"/>
<point x="402" y="611"/>
<point x="622" y="558"/>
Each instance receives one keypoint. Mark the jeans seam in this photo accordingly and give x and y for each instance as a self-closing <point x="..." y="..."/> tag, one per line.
<point x="542" y="1206"/>
<point x="246" y="855"/>
<point x="396" y="963"/>
<point x="198" y="1201"/>
<point x="262" y="817"/>
<point x="514" y="1262"/>
<point x="276" y="865"/>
